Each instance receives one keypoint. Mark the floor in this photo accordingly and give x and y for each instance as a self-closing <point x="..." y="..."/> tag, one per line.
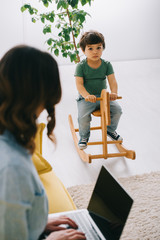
<point x="139" y="86"/>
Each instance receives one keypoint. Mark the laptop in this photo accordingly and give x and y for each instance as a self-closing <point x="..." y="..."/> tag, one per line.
<point x="107" y="211"/>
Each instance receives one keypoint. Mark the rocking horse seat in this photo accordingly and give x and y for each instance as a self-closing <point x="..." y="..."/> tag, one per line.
<point x="96" y="113"/>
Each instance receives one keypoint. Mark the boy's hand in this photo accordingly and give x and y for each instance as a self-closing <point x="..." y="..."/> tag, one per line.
<point x="113" y="96"/>
<point x="90" y="98"/>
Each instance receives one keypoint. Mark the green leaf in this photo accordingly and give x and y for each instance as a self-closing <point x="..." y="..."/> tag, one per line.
<point x="49" y="41"/>
<point x="31" y="10"/>
<point x="58" y="43"/>
<point x="58" y="5"/>
<point x="67" y="47"/>
<point x="27" y="6"/>
<point x="23" y="8"/>
<point x="61" y="16"/>
<point x="79" y="16"/>
<point x="47" y="29"/>
<point x="58" y="25"/>
<point x="56" y="52"/>
<point x="83" y="2"/>
<point x="73" y="57"/>
<point x="65" y="54"/>
<point x="62" y="4"/>
<point x="66" y="37"/>
<point x="52" y="19"/>
<point x="42" y="19"/>
<point x="45" y="3"/>
<point x="50" y="16"/>
<point x="73" y="3"/>
<point x="33" y="20"/>
<point x="90" y="2"/>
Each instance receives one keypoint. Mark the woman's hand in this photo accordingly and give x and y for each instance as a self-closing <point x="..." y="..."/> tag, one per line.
<point x="90" y="98"/>
<point x="58" y="232"/>
<point x="53" y="224"/>
<point x="68" y="234"/>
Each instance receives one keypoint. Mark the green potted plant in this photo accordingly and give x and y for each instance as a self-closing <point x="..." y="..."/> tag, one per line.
<point x="66" y="19"/>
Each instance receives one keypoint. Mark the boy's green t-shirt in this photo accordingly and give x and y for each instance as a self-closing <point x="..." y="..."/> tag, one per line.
<point x="94" y="79"/>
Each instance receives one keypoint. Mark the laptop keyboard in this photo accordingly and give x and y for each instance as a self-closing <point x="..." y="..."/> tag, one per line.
<point x="84" y="225"/>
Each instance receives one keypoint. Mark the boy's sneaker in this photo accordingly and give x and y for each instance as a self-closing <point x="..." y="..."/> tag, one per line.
<point x="115" y="136"/>
<point x="83" y="143"/>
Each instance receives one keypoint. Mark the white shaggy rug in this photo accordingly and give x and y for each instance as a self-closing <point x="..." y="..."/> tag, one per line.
<point x="144" y="219"/>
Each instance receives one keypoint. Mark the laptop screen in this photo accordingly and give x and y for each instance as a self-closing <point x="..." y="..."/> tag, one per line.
<point x="109" y="205"/>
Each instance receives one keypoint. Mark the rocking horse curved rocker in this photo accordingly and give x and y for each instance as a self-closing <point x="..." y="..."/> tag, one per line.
<point x="104" y="114"/>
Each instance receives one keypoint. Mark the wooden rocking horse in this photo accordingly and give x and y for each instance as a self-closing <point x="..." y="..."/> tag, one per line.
<point x="104" y="113"/>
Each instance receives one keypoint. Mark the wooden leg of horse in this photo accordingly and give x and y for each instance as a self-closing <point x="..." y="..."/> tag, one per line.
<point x="84" y="156"/>
<point x="129" y="153"/>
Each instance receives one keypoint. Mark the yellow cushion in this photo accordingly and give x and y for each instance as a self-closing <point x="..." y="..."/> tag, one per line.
<point x="58" y="197"/>
<point x="38" y="138"/>
<point x="40" y="163"/>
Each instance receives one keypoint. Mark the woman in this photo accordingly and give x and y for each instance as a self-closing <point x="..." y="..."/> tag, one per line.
<point x="29" y="83"/>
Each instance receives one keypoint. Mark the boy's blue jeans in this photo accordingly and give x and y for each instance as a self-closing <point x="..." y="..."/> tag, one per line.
<point x="84" y="115"/>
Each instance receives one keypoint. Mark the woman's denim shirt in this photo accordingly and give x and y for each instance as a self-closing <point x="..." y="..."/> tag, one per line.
<point x="23" y="201"/>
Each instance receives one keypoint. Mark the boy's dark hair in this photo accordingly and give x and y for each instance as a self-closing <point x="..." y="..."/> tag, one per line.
<point x="29" y="78"/>
<point x="91" y="37"/>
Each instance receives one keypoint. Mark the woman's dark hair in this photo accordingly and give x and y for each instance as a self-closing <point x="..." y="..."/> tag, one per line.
<point x="29" y="78"/>
<point x="91" y="37"/>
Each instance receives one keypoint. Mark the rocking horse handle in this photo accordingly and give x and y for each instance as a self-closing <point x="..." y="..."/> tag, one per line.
<point x="119" y="97"/>
<point x="99" y="98"/>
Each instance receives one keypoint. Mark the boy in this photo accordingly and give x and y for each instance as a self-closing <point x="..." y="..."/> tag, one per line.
<point x="90" y="80"/>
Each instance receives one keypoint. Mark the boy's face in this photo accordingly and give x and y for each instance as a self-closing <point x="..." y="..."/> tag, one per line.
<point x="94" y="51"/>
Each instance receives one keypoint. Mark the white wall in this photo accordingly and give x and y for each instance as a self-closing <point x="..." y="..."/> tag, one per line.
<point x="131" y="28"/>
<point x="11" y="24"/>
